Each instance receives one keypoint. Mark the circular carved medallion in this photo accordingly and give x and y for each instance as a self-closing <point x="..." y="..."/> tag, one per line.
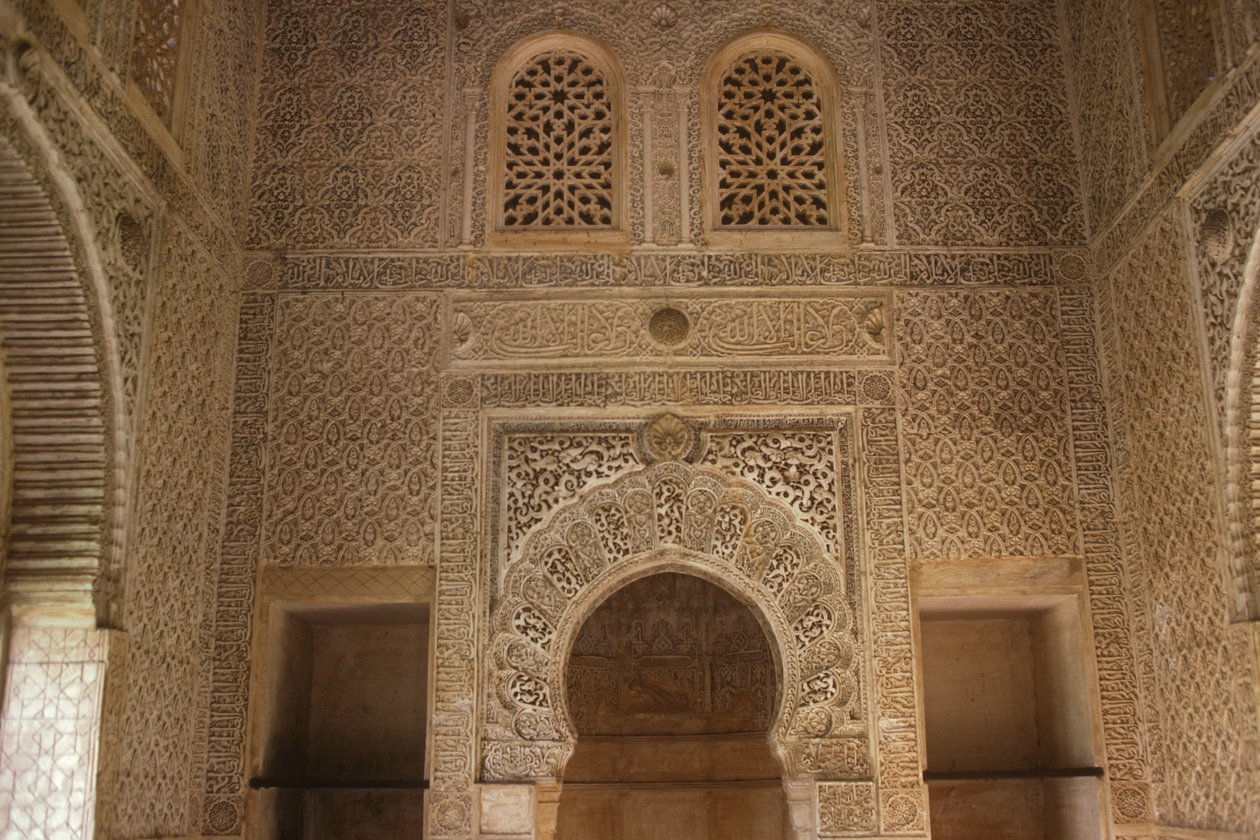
<point x="222" y="817"/>
<point x="669" y="326"/>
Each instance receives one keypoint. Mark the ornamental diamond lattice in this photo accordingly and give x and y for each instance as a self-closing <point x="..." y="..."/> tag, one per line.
<point x="155" y="51"/>
<point x="559" y="162"/>
<point x="771" y="146"/>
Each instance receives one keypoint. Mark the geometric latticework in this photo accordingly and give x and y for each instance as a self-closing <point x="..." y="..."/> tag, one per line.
<point x="559" y="154"/>
<point x="771" y="154"/>
<point x="155" y="52"/>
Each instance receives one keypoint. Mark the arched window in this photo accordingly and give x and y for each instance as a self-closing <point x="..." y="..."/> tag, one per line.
<point x="558" y="147"/>
<point x="771" y="151"/>
<point x="155" y="53"/>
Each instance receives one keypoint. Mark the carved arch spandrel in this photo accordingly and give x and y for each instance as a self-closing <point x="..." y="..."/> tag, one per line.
<point x="693" y="520"/>
<point x="587" y="83"/>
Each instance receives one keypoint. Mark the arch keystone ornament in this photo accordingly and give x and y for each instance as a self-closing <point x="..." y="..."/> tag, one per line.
<point x="674" y="517"/>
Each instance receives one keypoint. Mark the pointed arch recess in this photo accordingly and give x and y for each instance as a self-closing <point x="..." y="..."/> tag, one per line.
<point x="673" y="517"/>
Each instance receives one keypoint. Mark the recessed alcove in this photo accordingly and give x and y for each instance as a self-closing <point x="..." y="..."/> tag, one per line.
<point x="343" y="722"/>
<point x="1009" y="728"/>
<point x="672" y="686"/>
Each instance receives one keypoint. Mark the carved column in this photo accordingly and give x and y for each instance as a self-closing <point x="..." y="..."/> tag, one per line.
<point x="547" y="809"/>
<point x="800" y="804"/>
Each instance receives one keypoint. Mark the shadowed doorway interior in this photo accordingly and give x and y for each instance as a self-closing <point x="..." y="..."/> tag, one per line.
<point x="672" y="686"/>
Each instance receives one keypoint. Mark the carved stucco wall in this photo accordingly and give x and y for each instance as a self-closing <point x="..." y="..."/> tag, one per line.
<point x="171" y="569"/>
<point x="1201" y="719"/>
<point x="1003" y="419"/>
<point x="1172" y="272"/>
<point x="1100" y="39"/>
<point x="939" y="146"/>
<point x="972" y="91"/>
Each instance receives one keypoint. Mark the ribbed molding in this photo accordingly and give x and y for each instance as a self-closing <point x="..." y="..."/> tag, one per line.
<point x="58" y="437"/>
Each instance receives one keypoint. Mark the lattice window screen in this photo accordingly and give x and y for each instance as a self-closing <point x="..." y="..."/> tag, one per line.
<point x="155" y="51"/>
<point x="559" y="160"/>
<point x="771" y="145"/>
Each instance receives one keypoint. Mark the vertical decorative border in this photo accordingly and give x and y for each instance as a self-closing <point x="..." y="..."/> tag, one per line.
<point x="450" y="811"/>
<point x="901" y="792"/>
<point x="224" y="791"/>
<point x="1108" y="581"/>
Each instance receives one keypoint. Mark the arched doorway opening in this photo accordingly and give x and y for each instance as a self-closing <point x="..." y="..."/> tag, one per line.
<point x="672" y="686"/>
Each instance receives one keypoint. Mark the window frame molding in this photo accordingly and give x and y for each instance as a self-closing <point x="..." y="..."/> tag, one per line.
<point x="834" y="235"/>
<point x="498" y="235"/>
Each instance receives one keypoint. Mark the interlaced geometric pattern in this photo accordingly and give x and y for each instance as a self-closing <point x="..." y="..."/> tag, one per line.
<point x="154" y="51"/>
<point x="771" y="147"/>
<point x="559" y="162"/>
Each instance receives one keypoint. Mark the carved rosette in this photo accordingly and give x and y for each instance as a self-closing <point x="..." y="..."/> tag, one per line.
<point x="673" y="517"/>
<point x="669" y="438"/>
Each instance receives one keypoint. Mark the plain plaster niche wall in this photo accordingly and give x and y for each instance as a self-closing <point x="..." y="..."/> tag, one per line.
<point x="672" y="687"/>
<point x="1009" y="729"/>
<point x="342" y="751"/>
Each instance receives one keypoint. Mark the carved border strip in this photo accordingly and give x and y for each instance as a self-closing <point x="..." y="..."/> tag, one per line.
<point x="224" y="792"/>
<point x="453" y="726"/>
<point x="671" y="388"/>
<point x="459" y="270"/>
<point x="383" y="583"/>
<point x="1108" y="581"/>
<point x="901" y="793"/>
<point x="753" y="329"/>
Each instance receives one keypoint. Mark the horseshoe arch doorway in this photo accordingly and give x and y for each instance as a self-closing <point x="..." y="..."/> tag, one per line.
<point x="672" y="686"/>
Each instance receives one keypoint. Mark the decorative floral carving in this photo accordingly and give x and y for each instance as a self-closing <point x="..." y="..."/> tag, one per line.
<point x="973" y="93"/>
<point x="669" y="326"/>
<point x="664" y="17"/>
<point x="669" y="438"/>
<point x="985" y="423"/>
<point x="351" y="467"/>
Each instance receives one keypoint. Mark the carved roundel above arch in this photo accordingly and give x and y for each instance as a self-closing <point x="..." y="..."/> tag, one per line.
<point x="674" y="516"/>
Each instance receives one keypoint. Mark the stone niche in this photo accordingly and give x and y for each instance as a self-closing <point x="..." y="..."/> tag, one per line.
<point x="672" y="687"/>
<point x="1010" y="735"/>
<point x="341" y="752"/>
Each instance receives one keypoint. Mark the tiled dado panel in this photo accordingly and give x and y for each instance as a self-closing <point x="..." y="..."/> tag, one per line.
<point x="50" y="732"/>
